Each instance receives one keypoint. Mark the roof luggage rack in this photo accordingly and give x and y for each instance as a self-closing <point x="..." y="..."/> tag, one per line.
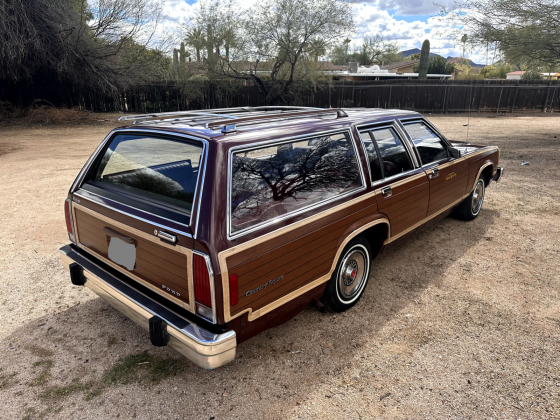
<point x="231" y="126"/>
<point x="195" y="116"/>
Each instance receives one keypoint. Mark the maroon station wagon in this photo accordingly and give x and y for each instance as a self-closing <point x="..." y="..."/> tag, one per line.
<point x="208" y="227"/>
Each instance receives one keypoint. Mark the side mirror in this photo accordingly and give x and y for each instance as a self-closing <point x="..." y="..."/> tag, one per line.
<point x="455" y="153"/>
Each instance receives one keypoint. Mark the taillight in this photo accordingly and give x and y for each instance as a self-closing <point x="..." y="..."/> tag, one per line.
<point x="69" y="221"/>
<point x="233" y="292"/>
<point x="202" y="287"/>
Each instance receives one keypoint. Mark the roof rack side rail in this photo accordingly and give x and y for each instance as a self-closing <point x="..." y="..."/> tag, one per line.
<point x="215" y="111"/>
<point x="256" y="119"/>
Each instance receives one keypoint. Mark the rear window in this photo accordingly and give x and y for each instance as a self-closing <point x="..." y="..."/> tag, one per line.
<point x="157" y="168"/>
<point x="272" y="181"/>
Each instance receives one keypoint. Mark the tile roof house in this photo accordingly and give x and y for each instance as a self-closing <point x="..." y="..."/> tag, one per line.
<point x="400" y="67"/>
<point x="515" y="75"/>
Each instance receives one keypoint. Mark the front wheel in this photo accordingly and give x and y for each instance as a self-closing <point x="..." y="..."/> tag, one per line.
<point x="471" y="206"/>
<point x="350" y="276"/>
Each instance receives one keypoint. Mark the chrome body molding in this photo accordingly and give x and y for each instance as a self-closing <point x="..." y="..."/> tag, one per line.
<point x="296" y="212"/>
<point x="129" y="214"/>
<point x="202" y="347"/>
<point x="200" y="178"/>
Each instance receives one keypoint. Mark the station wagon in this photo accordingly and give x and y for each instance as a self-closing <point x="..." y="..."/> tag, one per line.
<point x="208" y="227"/>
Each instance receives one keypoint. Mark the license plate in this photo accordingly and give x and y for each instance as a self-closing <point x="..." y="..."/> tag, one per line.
<point x="122" y="253"/>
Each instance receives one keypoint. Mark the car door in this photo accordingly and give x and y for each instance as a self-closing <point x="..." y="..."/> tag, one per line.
<point x="401" y="185"/>
<point x="448" y="175"/>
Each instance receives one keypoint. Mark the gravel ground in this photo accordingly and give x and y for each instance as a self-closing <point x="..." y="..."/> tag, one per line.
<point x="460" y="321"/>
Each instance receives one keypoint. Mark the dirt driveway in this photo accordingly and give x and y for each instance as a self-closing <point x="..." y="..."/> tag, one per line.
<point x="461" y="321"/>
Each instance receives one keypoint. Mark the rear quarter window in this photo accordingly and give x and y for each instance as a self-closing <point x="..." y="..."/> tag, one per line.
<point x="273" y="181"/>
<point x="157" y="168"/>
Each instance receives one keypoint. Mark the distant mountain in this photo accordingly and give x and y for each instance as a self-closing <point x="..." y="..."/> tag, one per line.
<point x="413" y="51"/>
<point x="466" y="60"/>
<point x="449" y="59"/>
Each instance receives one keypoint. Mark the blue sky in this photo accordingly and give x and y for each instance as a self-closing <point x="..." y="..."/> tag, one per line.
<point x="407" y="22"/>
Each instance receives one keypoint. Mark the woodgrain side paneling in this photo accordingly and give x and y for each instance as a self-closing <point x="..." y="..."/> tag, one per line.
<point x="408" y="203"/>
<point x="298" y="261"/>
<point x="449" y="185"/>
<point x="157" y="264"/>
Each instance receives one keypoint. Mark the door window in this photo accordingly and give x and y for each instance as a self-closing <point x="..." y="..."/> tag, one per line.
<point x="430" y="147"/>
<point x="386" y="153"/>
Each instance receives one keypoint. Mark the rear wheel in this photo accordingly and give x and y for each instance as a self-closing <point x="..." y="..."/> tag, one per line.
<point x="350" y="276"/>
<point x="471" y="206"/>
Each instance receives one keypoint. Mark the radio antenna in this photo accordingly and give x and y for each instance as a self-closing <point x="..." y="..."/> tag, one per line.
<point x="469" y="116"/>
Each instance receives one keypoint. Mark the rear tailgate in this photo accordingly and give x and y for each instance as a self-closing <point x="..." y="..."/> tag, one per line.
<point x="133" y="209"/>
<point x="159" y="265"/>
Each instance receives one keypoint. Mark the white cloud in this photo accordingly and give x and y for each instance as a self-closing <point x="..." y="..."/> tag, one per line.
<point x="372" y="17"/>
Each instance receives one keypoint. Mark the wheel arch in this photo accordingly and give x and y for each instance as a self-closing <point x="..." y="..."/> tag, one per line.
<point x="377" y="230"/>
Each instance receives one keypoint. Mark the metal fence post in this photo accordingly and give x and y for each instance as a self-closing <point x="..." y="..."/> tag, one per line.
<point x="500" y="100"/>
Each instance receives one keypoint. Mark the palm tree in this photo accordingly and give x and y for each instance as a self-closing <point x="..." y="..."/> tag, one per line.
<point x="316" y="48"/>
<point x="346" y="43"/>
<point x="195" y="38"/>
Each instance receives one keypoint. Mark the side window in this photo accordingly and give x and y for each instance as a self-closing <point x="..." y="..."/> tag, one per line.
<point x="374" y="163"/>
<point x="394" y="157"/>
<point x="272" y="181"/>
<point x="430" y="147"/>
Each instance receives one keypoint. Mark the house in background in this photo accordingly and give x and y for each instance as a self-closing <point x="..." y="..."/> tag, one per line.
<point x="515" y="75"/>
<point x="551" y="76"/>
<point x="400" y="67"/>
<point x="353" y="71"/>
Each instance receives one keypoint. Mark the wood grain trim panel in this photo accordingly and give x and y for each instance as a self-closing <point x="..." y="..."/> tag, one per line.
<point x="416" y="225"/>
<point x="150" y="238"/>
<point x="252" y="315"/>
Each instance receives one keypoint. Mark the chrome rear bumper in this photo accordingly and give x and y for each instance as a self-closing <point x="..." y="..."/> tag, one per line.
<point x="204" y="348"/>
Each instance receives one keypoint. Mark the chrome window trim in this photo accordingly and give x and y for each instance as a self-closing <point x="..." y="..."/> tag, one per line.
<point x="296" y="212"/>
<point x="201" y="180"/>
<point x="435" y="130"/>
<point x="391" y="178"/>
<point x="402" y="138"/>
<point x="429" y="124"/>
<point x="204" y="155"/>
<point x="212" y="286"/>
<point x="76" y="194"/>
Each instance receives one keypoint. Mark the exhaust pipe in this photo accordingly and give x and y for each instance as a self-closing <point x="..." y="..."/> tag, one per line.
<point x="319" y="306"/>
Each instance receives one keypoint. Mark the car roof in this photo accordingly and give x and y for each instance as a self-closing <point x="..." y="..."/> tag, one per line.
<point x="250" y="128"/>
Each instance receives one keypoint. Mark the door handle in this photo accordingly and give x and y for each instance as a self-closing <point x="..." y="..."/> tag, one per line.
<point x="435" y="173"/>
<point x="387" y="191"/>
<point x="166" y="236"/>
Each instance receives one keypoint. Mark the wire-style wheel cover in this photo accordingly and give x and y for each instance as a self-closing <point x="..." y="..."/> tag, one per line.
<point x="353" y="274"/>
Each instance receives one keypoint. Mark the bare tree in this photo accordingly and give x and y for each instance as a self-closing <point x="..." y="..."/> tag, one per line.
<point x="100" y="44"/>
<point x="525" y="31"/>
<point x="272" y="42"/>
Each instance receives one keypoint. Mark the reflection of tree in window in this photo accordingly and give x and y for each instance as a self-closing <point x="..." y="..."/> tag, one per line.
<point x="269" y="185"/>
<point x="430" y="147"/>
